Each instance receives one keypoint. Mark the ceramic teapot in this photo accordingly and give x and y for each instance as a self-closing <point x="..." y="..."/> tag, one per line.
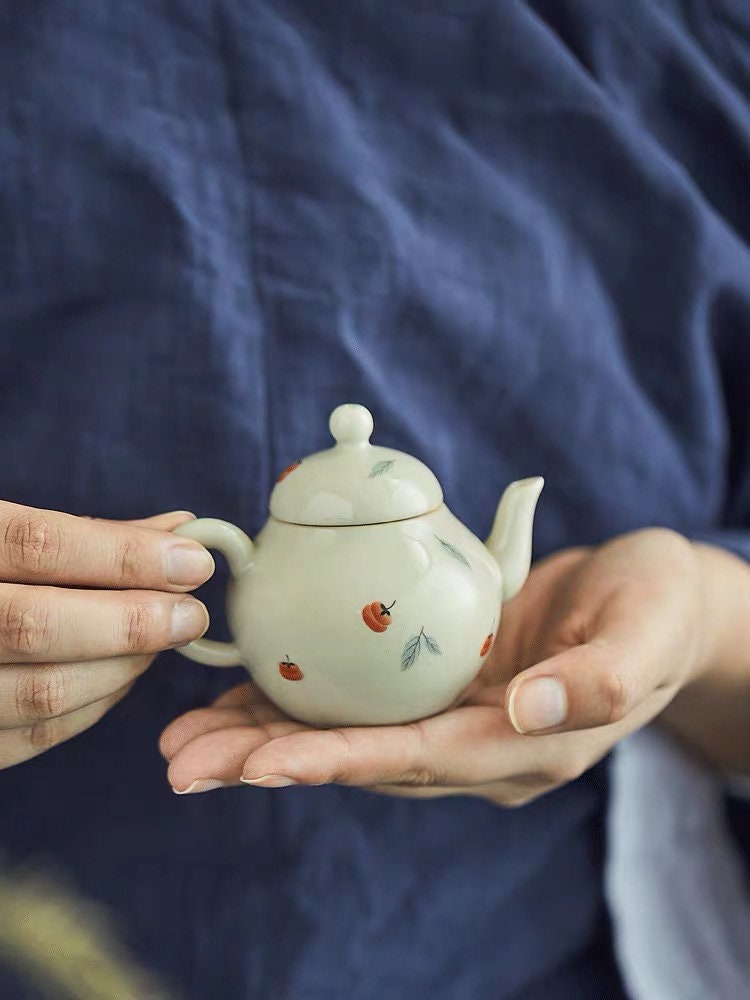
<point x="363" y="600"/>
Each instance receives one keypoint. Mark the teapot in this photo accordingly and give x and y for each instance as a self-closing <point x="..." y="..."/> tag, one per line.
<point x="363" y="600"/>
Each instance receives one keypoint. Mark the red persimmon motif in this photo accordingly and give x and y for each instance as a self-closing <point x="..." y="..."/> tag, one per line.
<point x="287" y="470"/>
<point x="377" y="616"/>
<point x="290" y="671"/>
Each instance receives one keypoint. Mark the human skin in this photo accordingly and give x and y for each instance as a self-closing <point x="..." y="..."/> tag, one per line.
<point x="599" y="642"/>
<point x="68" y="654"/>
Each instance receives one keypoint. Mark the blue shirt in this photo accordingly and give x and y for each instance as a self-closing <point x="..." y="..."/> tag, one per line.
<point x="518" y="233"/>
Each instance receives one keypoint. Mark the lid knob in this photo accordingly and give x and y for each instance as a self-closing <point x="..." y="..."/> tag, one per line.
<point x="351" y="424"/>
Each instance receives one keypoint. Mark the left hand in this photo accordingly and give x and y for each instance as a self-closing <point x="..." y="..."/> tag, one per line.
<point x="596" y="644"/>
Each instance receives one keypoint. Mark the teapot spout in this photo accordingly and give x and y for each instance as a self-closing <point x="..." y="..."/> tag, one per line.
<point x="510" y="538"/>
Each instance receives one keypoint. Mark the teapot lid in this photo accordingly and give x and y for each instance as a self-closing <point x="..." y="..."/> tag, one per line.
<point x="354" y="482"/>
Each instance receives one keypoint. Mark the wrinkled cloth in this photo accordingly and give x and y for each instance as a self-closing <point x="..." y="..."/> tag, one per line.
<point x="518" y="233"/>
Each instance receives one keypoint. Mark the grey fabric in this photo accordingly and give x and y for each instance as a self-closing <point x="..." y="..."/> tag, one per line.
<point x="676" y="885"/>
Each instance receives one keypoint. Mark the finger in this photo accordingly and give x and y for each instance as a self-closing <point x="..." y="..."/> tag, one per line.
<point x="219" y="756"/>
<point x="240" y="705"/>
<point x="266" y="713"/>
<point x="50" y="624"/>
<point x="32" y="694"/>
<point x="417" y="792"/>
<point x="17" y="745"/>
<point x="632" y="618"/>
<point x="162" y="522"/>
<point x="199" y="722"/>
<point x="598" y="683"/>
<point x="242" y="696"/>
<point x="465" y="747"/>
<point x="42" y="546"/>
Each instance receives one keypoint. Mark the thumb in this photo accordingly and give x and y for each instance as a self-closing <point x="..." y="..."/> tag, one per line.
<point x="597" y="683"/>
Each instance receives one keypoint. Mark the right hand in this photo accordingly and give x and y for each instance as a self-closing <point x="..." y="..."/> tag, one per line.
<point x="68" y="655"/>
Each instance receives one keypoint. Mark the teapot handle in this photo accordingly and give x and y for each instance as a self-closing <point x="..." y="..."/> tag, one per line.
<point x="238" y="549"/>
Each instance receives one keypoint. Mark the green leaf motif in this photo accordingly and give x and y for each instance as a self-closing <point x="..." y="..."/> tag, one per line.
<point x="452" y="550"/>
<point x="432" y="645"/>
<point x="380" y="467"/>
<point x="411" y="651"/>
<point x="413" y="648"/>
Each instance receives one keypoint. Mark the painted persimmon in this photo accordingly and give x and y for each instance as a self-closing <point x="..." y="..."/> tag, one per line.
<point x="377" y="616"/>
<point x="290" y="671"/>
<point x="486" y="646"/>
<point x="287" y="470"/>
<point x="368" y="617"/>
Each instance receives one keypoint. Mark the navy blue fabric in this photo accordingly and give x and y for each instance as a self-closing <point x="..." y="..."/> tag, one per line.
<point x="519" y="233"/>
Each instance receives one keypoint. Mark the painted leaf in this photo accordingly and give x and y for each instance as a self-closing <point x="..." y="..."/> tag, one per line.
<point x="380" y="467"/>
<point x="432" y="645"/>
<point x="411" y="652"/>
<point x="456" y="553"/>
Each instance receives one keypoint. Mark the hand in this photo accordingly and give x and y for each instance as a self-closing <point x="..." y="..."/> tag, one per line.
<point x="596" y="644"/>
<point x="66" y="655"/>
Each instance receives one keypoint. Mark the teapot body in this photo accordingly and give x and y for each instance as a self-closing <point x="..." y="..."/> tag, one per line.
<point x="366" y="625"/>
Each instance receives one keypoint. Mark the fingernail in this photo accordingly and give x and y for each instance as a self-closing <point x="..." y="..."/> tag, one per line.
<point x="189" y="564"/>
<point x="269" y="781"/>
<point x="189" y="621"/>
<point x="200" y="785"/>
<point x="538" y="704"/>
